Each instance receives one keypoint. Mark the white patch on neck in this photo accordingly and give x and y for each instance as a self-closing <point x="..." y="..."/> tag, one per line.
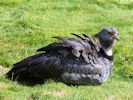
<point x="108" y="51"/>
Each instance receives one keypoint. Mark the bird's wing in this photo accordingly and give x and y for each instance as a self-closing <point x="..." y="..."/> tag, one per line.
<point x="38" y="65"/>
<point x="52" y="47"/>
<point x="83" y="47"/>
<point x="51" y="66"/>
<point x="89" y="48"/>
<point x="86" y="39"/>
<point x="22" y="65"/>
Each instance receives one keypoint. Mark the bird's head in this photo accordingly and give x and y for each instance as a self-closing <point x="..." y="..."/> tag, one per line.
<point x="107" y="34"/>
<point x="107" y="37"/>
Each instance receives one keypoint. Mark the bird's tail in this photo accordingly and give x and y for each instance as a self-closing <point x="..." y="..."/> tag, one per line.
<point x="14" y="74"/>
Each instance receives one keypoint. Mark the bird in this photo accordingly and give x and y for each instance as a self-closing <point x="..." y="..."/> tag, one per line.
<point x="81" y="60"/>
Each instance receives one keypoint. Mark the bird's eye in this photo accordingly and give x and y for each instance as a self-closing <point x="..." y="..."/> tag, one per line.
<point x="111" y="33"/>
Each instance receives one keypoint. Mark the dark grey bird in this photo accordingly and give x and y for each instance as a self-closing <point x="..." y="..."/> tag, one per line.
<point x="78" y="61"/>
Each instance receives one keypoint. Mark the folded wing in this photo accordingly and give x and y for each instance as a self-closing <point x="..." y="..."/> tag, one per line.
<point x="83" y="46"/>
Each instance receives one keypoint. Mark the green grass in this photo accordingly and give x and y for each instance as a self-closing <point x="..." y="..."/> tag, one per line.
<point x="26" y="25"/>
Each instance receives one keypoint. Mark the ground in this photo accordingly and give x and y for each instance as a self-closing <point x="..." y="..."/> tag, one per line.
<point x="26" y="25"/>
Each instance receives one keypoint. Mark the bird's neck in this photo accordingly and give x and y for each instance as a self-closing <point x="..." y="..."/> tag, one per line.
<point x="108" y="51"/>
<point x="104" y="54"/>
<point x="107" y="47"/>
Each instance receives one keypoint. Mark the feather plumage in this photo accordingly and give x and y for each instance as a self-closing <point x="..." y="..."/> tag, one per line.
<point x="72" y="61"/>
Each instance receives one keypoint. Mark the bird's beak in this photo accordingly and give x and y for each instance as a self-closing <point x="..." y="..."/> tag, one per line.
<point x="116" y="37"/>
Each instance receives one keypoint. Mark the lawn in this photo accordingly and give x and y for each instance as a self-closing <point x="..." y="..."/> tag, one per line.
<point x="26" y="25"/>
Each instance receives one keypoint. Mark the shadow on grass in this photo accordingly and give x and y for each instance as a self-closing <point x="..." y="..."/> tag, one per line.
<point x="29" y="81"/>
<point x="32" y="81"/>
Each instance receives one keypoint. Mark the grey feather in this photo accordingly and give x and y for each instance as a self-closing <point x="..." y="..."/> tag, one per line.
<point x="78" y="61"/>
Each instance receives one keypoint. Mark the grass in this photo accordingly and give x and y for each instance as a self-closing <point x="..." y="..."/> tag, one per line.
<point x="26" y="25"/>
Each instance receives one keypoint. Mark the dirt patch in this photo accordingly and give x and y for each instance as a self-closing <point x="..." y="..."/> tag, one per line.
<point x="3" y="70"/>
<point x="110" y="97"/>
<point x="2" y="85"/>
<point x="120" y="96"/>
<point x="56" y="92"/>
